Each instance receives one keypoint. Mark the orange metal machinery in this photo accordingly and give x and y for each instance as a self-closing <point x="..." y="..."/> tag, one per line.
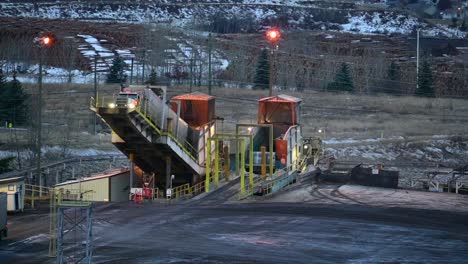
<point x="196" y="109"/>
<point x="283" y="112"/>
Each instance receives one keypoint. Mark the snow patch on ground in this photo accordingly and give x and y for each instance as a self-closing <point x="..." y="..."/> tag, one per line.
<point x="437" y="150"/>
<point x="391" y="23"/>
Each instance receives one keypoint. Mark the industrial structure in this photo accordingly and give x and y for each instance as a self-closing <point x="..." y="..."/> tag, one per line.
<point x="15" y="189"/>
<point x="176" y="139"/>
<point x="108" y="186"/>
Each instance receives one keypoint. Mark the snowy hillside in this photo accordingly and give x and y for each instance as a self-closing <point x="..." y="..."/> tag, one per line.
<point x="391" y="23"/>
<point x="303" y="14"/>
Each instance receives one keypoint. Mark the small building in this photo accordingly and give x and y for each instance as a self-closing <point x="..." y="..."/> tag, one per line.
<point x="109" y="186"/>
<point x="196" y="109"/>
<point x="15" y="189"/>
<point x="279" y="110"/>
<point x="284" y="113"/>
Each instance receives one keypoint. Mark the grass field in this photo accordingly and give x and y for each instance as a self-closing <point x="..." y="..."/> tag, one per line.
<point x="67" y="116"/>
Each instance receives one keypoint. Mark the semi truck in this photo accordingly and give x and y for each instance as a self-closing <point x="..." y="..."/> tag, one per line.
<point x="3" y="215"/>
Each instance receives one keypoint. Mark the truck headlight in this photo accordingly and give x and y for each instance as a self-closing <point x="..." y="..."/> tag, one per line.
<point x="131" y="106"/>
<point x="111" y="105"/>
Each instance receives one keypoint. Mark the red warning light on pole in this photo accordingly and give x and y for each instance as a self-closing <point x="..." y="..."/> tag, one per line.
<point x="46" y="41"/>
<point x="273" y="34"/>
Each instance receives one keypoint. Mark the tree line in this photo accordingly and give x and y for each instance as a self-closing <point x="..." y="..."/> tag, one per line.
<point x="343" y="80"/>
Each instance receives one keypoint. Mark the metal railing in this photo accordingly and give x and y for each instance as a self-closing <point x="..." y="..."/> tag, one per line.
<point x="181" y="191"/>
<point x="151" y="108"/>
<point x="184" y="145"/>
<point x="187" y="191"/>
<point x="36" y="192"/>
<point x="251" y="189"/>
<point x="270" y="187"/>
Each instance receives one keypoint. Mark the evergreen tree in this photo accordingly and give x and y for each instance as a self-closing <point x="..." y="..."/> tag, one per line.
<point x="117" y="73"/>
<point x="463" y="26"/>
<point x="2" y="78"/>
<point x="152" y="78"/>
<point x="425" y="81"/>
<point x="6" y="164"/>
<point x="13" y="103"/>
<point x="454" y="22"/>
<point x="343" y="80"/>
<point x="262" y="72"/>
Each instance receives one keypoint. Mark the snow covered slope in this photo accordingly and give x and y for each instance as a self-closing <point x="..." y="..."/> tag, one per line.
<point x="306" y="14"/>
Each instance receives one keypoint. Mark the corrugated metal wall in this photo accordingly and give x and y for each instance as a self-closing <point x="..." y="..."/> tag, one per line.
<point x="99" y="188"/>
<point x="120" y="188"/>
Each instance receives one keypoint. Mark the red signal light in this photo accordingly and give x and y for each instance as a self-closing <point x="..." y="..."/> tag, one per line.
<point x="273" y="34"/>
<point x="46" y="40"/>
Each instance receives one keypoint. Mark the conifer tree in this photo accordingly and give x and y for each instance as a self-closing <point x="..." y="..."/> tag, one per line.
<point x="117" y="73"/>
<point x="343" y="80"/>
<point x="2" y="78"/>
<point x="425" y="81"/>
<point x="262" y="72"/>
<point x="152" y="78"/>
<point x="13" y="102"/>
<point x="463" y="26"/>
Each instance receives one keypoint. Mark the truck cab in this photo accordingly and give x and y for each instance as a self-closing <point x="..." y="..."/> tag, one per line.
<point x="126" y="99"/>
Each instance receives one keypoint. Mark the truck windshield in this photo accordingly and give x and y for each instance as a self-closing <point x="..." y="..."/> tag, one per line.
<point x="127" y="95"/>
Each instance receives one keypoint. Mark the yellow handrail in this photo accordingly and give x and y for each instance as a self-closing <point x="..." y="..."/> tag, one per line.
<point x="151" y="123"/>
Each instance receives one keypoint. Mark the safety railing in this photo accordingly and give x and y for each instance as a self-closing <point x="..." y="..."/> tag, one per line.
<point x="267" y="188"/>
<point x="187" y="191"/>
<point x="279" y="183"/>
<point x="181" y="191"/>
<point x="73" y="197"/>
<point x="198" y="188"/>
<point x="36" y="192"/>
<point x="184" y="145"/>
<point x="151" y="109"/>
<point x="251" y="189"/>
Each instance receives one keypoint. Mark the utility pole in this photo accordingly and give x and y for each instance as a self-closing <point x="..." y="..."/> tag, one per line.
<point x="143" y="68"/>
<point x="273" y="36"/>
<point x="95" y="94"/>
<point x="417" y="58"/>
<point x="209" y="63"/>
<point x="191" y="73"/>
<point x="39" y="131"/>
<point x="43" y="42"/>
<point x="131" y="73"/>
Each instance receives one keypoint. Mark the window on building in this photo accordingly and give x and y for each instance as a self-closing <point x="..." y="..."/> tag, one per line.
<point x="11" y="187"/>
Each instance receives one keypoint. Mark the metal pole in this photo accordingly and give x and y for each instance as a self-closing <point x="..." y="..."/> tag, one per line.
<point x="39" y="129"/>
<point x="168" y="175"/>
<point x="132" y="167"/>
<point x="95" y="94"/>
<point x="237" y="150"/>
<point x="209" y="63"/>
<point x="216" y="165"/>
<point x="131" y="73"/>
<point x="208" y="165"/>
<point x="242" y="169"/>
<point x="191" y="73"/>
<point x="251" y="162"/>
<point x="270" y="79"/>
<point x="417" y="59"/>
<point x="143" y="69"/>
<point x="271" y="151"/>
